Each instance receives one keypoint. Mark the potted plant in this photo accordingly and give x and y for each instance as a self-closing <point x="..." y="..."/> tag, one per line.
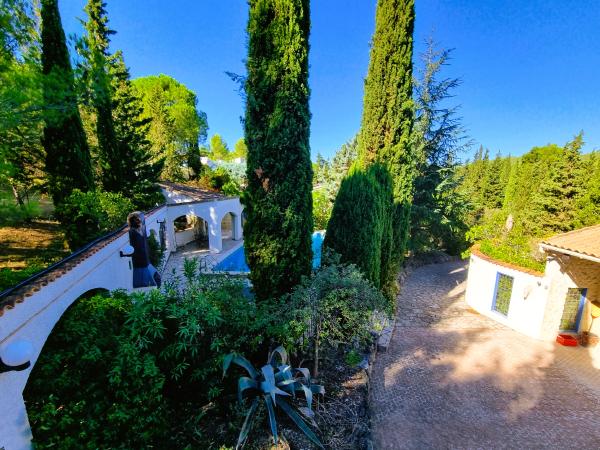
<point x="586" y="338"/>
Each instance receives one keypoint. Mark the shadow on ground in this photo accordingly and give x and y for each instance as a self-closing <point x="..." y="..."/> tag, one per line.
<point x="454" y="379"/>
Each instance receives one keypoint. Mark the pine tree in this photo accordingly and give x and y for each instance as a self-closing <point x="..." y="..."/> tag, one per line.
<point x="559" y="191"/>
<point x="588" y="205"/>
<point x="278" y="198"/>
<point x="493" y="185"/>
<point x="131" y="129"/>
<point x="437" y="209"/>
<point x="113" y="166"/>
<point x="68" y="164"/>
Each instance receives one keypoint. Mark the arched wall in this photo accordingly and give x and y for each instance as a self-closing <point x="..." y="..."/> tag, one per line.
<point x="212" y="212"/>
<point x="34" y="319"/>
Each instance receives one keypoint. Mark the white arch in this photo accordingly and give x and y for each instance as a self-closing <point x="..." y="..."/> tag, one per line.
<point x="35" y="317"/>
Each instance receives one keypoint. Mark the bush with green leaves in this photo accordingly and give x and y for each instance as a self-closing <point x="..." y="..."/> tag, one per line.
<point x="277" y="385"/>
<point x="144" y="370"/>
<point x="11" y="212"/>
<point x="88" y="215"/>
<point x="334" y="307"/>
<point x="156" y="250"/>
<point x="513" y="245"/>
<point x="360" y="229"/>
<point x="10" y="277"/>
<point x="221" y="180"/>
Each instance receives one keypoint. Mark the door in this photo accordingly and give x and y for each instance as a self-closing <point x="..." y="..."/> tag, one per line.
<point x="573" y="309"/>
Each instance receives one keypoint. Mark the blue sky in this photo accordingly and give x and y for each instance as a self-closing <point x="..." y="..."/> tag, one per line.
<point x="530" y="69"/>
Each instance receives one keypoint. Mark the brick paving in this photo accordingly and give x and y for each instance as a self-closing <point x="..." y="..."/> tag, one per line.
<point x="453" y="379"/>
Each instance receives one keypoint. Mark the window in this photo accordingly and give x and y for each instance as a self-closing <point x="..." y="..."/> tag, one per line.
<point x="504" y="285"/>
<point x="574" y="302"/>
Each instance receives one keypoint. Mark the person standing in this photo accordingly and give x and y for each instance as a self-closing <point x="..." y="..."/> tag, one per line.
<point x="144" y="273"/>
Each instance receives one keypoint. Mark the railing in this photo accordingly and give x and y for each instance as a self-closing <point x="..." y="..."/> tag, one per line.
<point x="62" y="262"/>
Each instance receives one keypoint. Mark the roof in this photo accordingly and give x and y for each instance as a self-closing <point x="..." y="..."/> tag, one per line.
<point x="584" y="242"/>
<point x="193" y="192"/>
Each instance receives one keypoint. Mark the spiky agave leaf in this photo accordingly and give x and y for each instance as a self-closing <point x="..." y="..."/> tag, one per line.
<point x="240" y="361"/>
<point x="283" y="356"/>
<point x="299" y="421"/>
<point x="272" y="419"/>
<point x="268" y="386"/>
<point x="245" y="383"/>
<point x="247" y="426"/>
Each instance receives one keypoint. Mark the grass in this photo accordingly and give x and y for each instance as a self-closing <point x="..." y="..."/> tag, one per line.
<point x="27" y="248"/>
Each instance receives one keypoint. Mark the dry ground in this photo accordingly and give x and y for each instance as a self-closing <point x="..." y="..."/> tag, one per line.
<point x="39" y="242"/>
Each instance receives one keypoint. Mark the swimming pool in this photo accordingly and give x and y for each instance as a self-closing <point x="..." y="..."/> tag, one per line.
<point x="236" y="262"/>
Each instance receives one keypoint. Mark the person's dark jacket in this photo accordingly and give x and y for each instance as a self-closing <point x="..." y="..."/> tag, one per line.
<point x="140" y="256"/>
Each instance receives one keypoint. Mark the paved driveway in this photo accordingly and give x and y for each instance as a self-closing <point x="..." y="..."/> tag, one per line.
<point x="453" y="379"/>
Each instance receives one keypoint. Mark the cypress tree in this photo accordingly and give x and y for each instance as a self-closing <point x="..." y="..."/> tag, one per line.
<point x="278" y="198"/>
<point x="68" y="163"/>
<point x="385" y="137"/>
<point x="354" y="231"/>
<point x="112" y="162"/>
<point x="388" y="109"/>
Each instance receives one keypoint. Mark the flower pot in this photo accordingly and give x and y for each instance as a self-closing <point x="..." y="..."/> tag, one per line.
<point x="567" y="340"/>
<point x="587" y="339"/>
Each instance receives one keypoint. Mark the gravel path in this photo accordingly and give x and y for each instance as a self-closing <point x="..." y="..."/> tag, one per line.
<point x="453" y="379"/>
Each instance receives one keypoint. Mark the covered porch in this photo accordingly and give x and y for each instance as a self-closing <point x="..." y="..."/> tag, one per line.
<point x="573" y="275"/>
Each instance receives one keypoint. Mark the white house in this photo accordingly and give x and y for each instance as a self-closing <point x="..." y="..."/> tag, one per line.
<point x="563" y="299"/>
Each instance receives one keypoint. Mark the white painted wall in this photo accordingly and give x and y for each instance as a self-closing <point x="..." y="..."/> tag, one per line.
<point x="34" y="319"/>
<point x="212" y="212"/>
<point x="528" y="300"/>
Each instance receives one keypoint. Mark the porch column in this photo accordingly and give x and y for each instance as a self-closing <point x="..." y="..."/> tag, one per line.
<point x="238" y="233"/>
<point x="215" y="240"/>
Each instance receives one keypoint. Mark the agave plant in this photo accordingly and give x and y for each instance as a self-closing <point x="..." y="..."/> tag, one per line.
<point x="277" y="386"/>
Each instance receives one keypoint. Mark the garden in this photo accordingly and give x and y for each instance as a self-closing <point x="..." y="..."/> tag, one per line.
<point x="277" y="359"/>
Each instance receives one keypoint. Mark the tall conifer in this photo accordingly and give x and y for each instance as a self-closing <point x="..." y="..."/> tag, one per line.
<point x="131" y="130"/>
<point x="388" y="110"/>
<point x="277" y="123"/>
<point x="68" y="163"/>
<point x="385" y="134"/>
<point x="112" y="163"/>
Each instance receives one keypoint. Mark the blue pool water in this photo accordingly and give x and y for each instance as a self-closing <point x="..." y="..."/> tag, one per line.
<point x="236" y="262"/>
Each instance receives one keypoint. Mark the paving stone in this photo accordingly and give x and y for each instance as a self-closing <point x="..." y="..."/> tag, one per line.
<point x="453" y="379"/>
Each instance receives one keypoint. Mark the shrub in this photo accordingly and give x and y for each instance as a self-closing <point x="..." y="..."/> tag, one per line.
<point x="144" y="370"/>
<point x="321" y="209"/>
<point x="10" y="212"/>
<point x="334" y="307"/>
<point x="91" y="387"/>
<point x="221" y="180"/>
<point x="10" y="277"/>
<point x="88" y="215"/>
<point x="156" y="250"/>
<point x="360" y="228"/>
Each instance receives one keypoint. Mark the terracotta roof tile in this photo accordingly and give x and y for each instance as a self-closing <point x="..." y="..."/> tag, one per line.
<point x="585" y="241"/>
<point x="195" y="193"/>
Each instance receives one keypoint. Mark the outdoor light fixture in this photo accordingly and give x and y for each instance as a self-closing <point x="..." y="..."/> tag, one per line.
<point x="126" y="252"/>
<point x="15" y="356"/>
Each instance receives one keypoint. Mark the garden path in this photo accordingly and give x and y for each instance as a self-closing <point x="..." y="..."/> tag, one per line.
<point x="453" y="379"/>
